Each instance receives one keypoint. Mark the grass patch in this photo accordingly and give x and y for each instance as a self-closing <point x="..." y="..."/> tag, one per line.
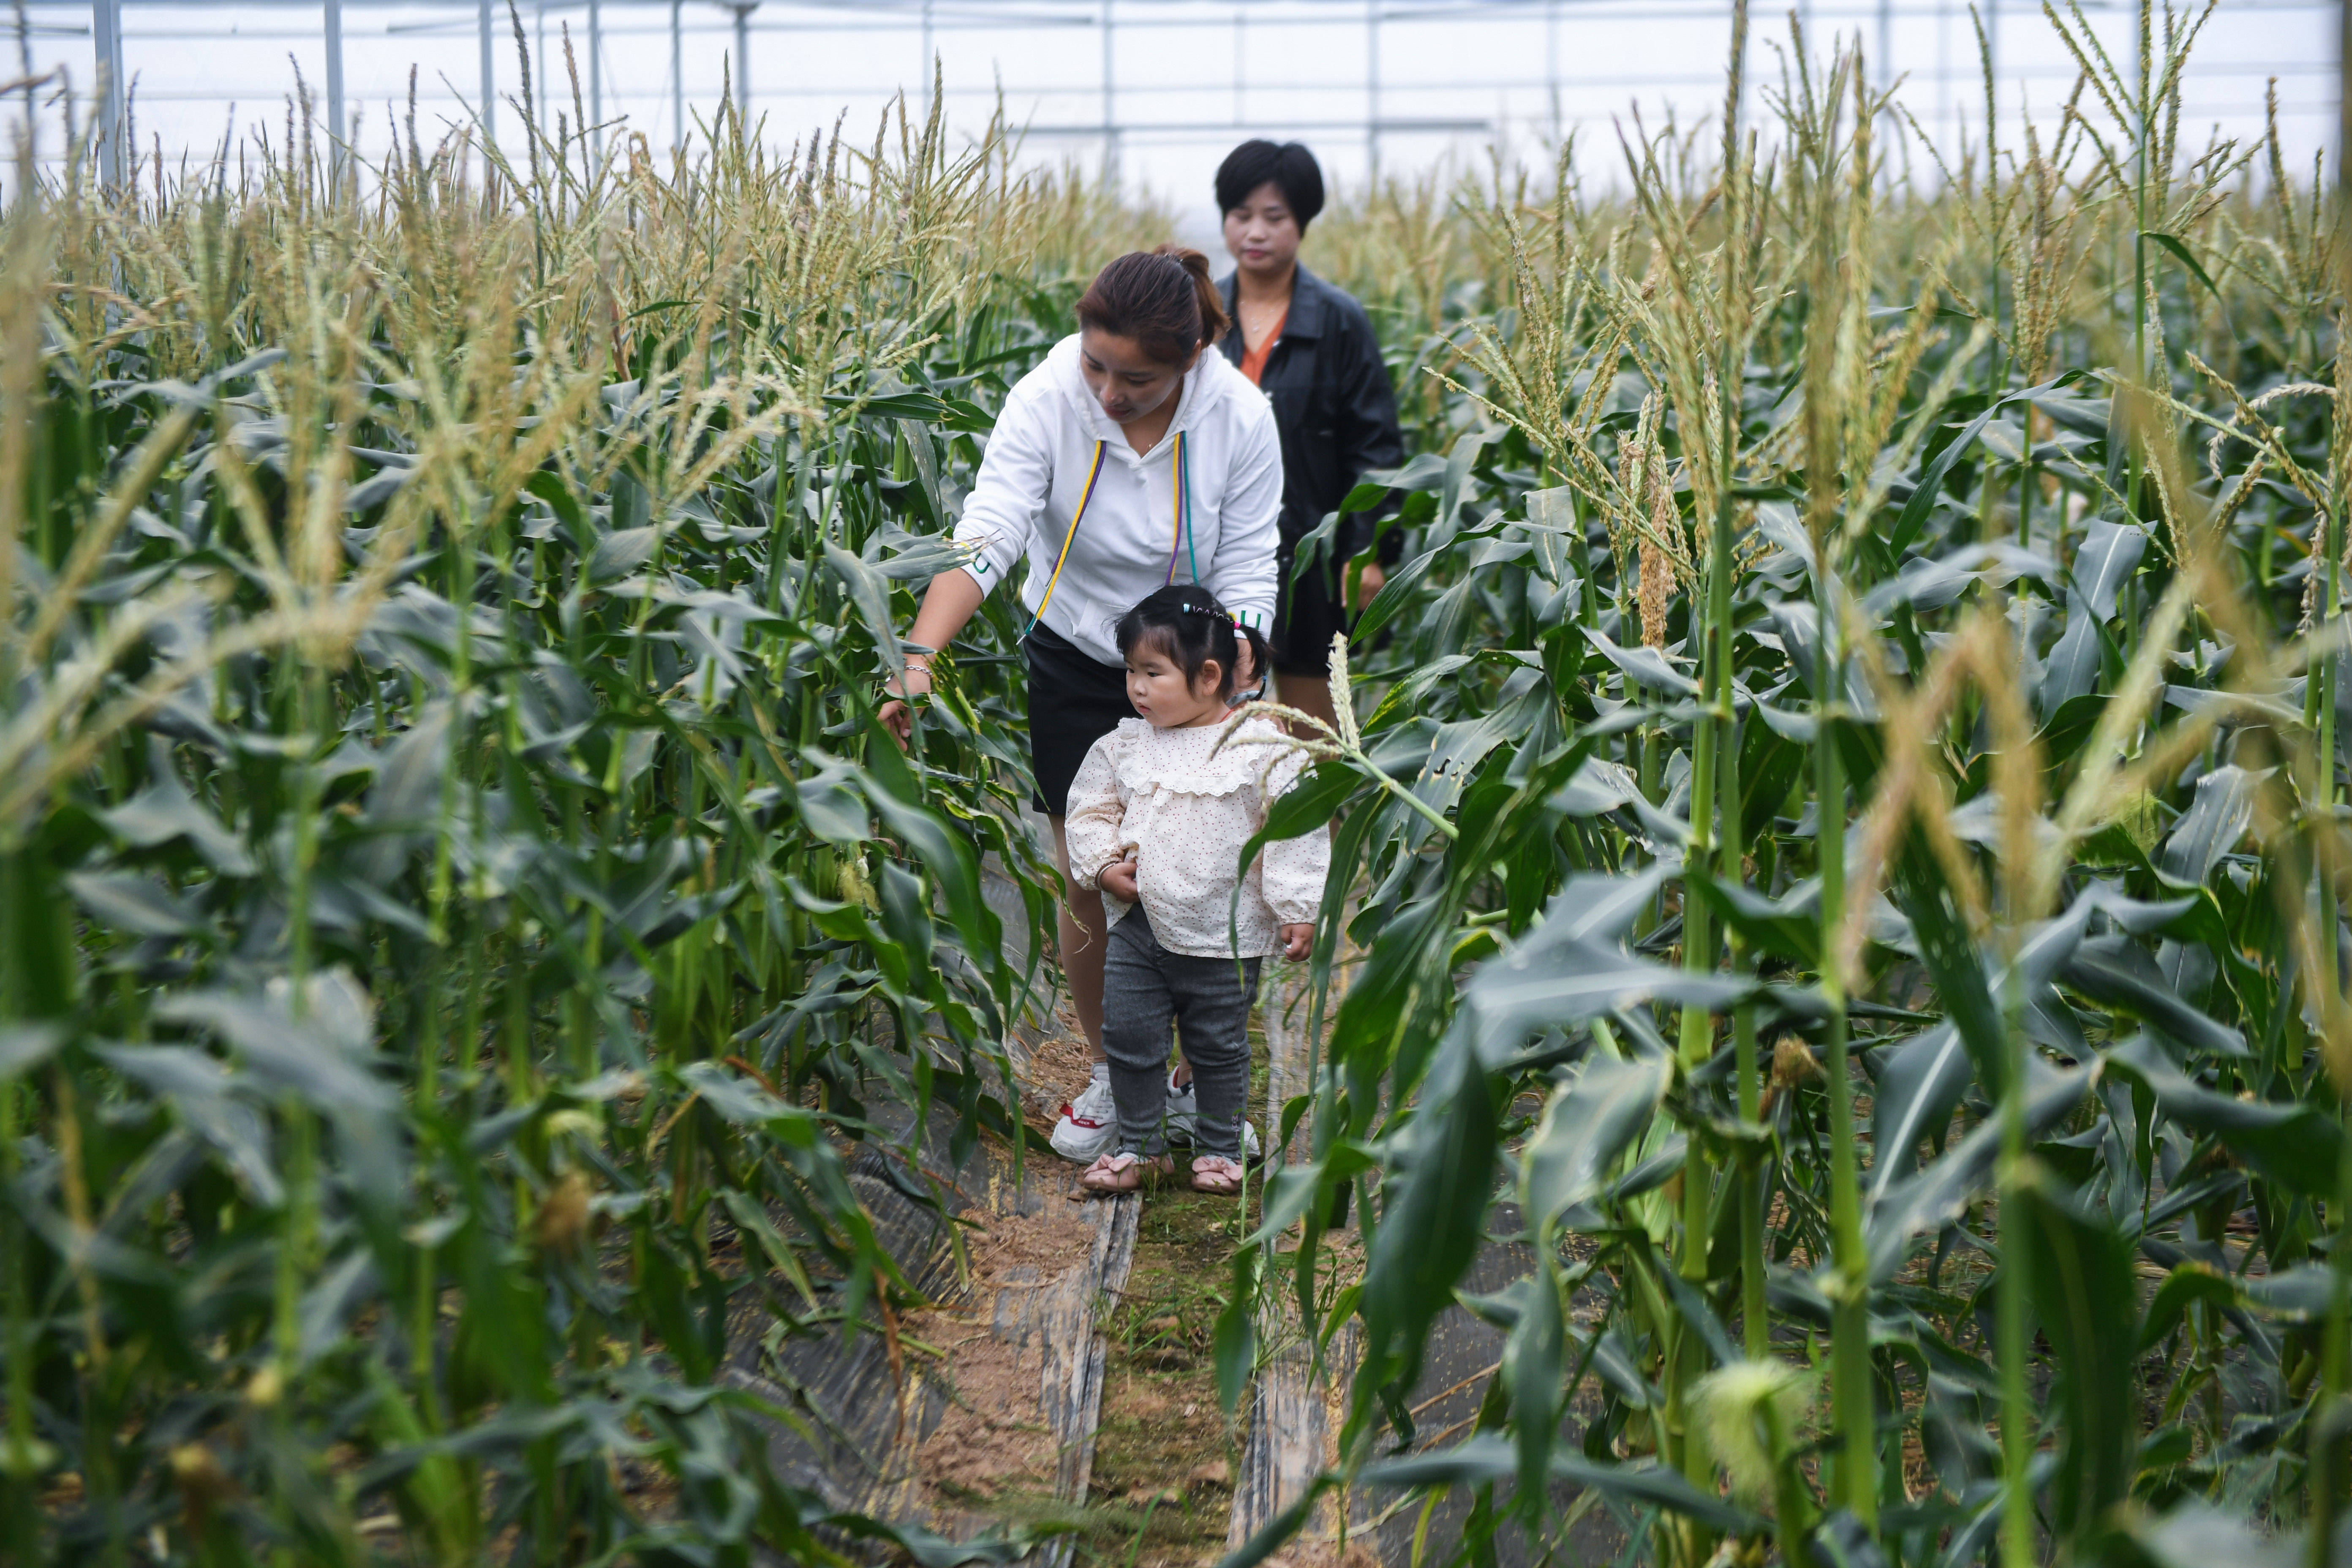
<point x="1165" y="1456"/>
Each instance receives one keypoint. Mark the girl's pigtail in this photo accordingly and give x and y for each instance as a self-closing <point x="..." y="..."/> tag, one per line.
<point x="1261" y="653"/>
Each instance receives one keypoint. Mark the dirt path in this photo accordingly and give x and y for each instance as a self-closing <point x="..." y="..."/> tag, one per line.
<point x="1164" y="1457"/>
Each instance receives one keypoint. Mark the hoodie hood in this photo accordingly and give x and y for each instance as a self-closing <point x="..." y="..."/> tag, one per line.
<point x="1098" y="534"/>
<point x="1210" y="382"/>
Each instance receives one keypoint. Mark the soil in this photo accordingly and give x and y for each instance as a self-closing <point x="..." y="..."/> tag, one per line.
<point x="990" y="1448"/>
<point x="1161" y="1490"/>
<point x="1055" y="1071"/>
<point x="1324" y="1555"/>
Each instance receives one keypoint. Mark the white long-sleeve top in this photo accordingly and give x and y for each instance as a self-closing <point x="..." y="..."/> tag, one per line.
<point x="1186" y="815"/>
<point x="1034" y="475"/>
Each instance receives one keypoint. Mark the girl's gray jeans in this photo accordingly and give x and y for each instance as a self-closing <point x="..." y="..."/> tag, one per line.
<point x="1145" y="986"/>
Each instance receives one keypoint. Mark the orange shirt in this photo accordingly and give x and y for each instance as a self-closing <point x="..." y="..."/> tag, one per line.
<point x="1254" y="360"/>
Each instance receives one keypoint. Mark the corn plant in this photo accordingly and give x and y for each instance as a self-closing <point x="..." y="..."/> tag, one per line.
<point x="460" y="919"/>
<point x="1868" y="912"/>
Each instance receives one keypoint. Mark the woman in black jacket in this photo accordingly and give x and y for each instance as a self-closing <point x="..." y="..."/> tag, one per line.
<point x="1310" y="347"/>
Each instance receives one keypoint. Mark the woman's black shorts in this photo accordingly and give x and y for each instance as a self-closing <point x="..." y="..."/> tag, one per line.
<point x="1306" y="617"/>
<point x="1309" y="610"/>
<point x="1073" y="702"/>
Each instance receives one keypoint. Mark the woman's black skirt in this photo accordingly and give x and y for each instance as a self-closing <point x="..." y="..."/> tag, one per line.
<point x="1073" y="702"/>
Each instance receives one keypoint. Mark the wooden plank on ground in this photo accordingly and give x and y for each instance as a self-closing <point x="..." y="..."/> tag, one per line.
<point x="1296" y="1407"/>
<point x="1019" y="1268"/>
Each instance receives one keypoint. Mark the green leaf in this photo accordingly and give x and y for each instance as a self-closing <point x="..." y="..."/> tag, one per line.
<point x="1486" y="1457"/>
<point x="871" y="592"/>
<point x="24" y="1047"/>
<point x="831" y="808"/>
<point x="1914" y="511"/>
<point x="2196" y="1535"/>
<point x="2188" y="1284"/>
<point x="1787" y="928"/>
<point x="1536" y="1354"/>
<point x="164" y="812"/>
<point x="1920" y="1083"/>
<point x="2180" y="252"/>
<point x="1282" y="1527"/>
<point x="198" y="1090"/>
<point x="1434" y="1204"/>
<point x="2083" y="1292"/>
<point x="620" y="552"/>
<point x="128" y="902"/>
<point x="1234" y="1346"/>
<point x="1951" y="959"/>
<point x="735" y="1097"/>
<point x="550" y="488"/>
<point x="2117" y="971"/>
<point x="1644" y="666"/>
<point x="2288" y="1142"/>
<point x="2072" y="725"/>
<point x="1308" y="806"/>
<point x="2212" y="825"/>
<point x="1942" y="1192"/>
<point x="1588" y="1123"/>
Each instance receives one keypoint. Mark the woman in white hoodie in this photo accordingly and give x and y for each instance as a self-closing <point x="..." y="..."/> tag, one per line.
<point x="1128" y="460"/>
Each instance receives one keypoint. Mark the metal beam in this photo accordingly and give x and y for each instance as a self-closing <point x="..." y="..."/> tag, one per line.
<point x="596" y="73"/>
<point x="487" y="108"/>
<point x="1110" y="118"/>
<point x="113" y="140"/>
<point x="677" y="75"/>
<point x="1373" y="91"/>
<point x="337" y="129"/>
<point x="743" y="65"/>
<point x="1551" y="62"/>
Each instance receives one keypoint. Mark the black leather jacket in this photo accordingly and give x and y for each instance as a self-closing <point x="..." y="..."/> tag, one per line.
<point x="1333" y="406"/>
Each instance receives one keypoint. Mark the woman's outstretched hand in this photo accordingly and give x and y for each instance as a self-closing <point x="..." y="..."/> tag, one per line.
<point x="896" y="715"/>
<point x="948" y="603"/>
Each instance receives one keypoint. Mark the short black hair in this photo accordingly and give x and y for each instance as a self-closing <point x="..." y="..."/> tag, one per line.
<point x="1289" y="164"/>
<point x="1185" y="622"/>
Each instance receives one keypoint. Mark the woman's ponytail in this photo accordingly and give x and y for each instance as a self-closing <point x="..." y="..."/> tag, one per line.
<point x="1163" y="298"/>
<point x="1204" y="291"/>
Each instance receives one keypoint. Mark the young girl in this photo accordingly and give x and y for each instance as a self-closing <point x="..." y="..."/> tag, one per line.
<point x="1157" y="823"/>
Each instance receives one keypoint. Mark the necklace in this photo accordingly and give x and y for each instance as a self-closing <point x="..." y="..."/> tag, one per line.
<point x="1257" y="320"/>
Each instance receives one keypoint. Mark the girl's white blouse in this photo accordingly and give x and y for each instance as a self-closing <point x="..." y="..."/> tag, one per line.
<point x="1186" y="815"/>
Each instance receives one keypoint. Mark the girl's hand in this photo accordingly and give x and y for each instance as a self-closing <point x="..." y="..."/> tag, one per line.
<point x="896" y="715"/>
<point x="1117" y="880"/>
<point x="1296" y="939"/>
